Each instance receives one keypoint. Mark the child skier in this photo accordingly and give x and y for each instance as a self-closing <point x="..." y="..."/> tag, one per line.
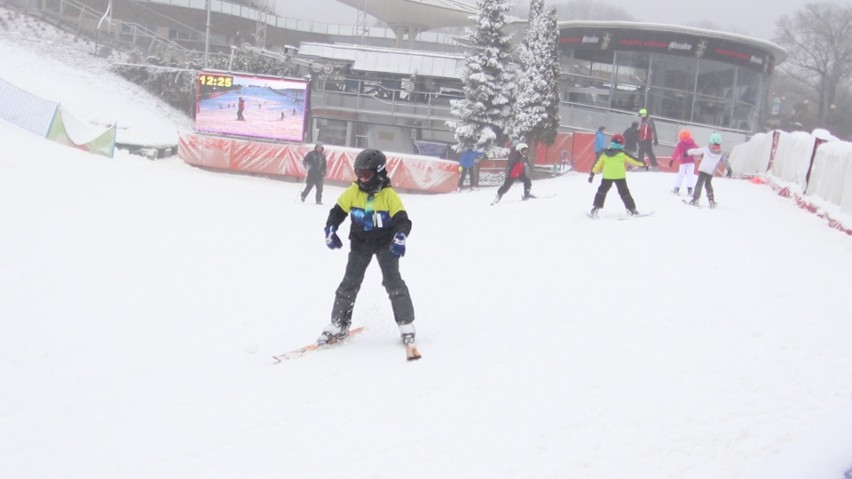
<point x="711" y="156"/>
<point x="686" y="161"/>
<point x="612" y="163"/>
<point x="380" y="227"/>
<point x="516" y="169"/>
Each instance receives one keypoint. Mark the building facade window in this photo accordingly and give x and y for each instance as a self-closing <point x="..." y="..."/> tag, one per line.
<point x="677" y="73"/>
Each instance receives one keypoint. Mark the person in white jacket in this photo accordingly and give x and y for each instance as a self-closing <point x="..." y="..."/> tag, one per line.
<point x="710" y="157"/>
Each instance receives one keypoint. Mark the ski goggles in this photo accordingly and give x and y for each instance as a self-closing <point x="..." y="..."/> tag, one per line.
<point x="364" y="174"/>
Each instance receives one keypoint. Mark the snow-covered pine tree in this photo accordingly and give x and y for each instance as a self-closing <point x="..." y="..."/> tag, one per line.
<point x="536" y="109"/>
<point x="489" y="83"/>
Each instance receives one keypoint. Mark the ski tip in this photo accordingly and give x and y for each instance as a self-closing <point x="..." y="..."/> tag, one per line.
<point x="411" y="352"/>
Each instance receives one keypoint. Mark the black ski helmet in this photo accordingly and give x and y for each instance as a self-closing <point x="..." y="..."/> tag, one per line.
<point x="374" y="161"/>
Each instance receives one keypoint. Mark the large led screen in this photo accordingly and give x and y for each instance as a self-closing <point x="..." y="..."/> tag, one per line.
<point x="249" y="105"/>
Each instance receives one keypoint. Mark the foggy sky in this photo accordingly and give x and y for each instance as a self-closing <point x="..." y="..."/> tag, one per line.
<point x="745" y="17"/>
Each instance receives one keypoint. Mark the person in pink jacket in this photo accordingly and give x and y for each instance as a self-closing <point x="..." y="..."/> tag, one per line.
<point x="686" y="161"/>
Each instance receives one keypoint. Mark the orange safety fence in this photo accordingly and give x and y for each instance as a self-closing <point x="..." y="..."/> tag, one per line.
<point x="407" y="172"/>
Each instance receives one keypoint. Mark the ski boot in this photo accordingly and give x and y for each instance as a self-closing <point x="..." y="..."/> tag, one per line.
<point x="689" y="191"/>
<point x="495" y="200"/>
<point x="594" y="212"/>
<point x="676" y="191"/>
<point x="712" y="204"/>
<point x="406" y="332"/>
<point x="693" y="202"/>
<point x="632" y="212"/>
<point x="333" y="333"/>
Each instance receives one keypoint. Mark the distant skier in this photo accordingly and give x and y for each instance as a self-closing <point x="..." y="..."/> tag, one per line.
<point x="379" y="227"/>
<point x="613" y="165"/>
<point x="600" y="142"/>
<point x="316" y="165"/>
<point x="241" y="107"/>
<point x="647" y="138"/>
<point x="710" y="158"/>
<point x="516" y="169"/>
<point x="467" y="167"/>
<point x="631" y="138"/>
<point x="686" y="162"/>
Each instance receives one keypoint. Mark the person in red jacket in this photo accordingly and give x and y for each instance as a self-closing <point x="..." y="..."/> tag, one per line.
<point x="647" y="138"/>
<point x="685" y="160"/>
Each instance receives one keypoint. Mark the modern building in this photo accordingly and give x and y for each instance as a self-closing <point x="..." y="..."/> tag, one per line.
<point x="682" y="75"/>
<point x="391" y="87"/>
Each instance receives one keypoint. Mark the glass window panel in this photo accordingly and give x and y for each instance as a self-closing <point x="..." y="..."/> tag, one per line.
<point x="673" y="72"/>
<point x="672" y="82"/>
<point x="670" y="103"/>
<point x="713" y="93"/>
<point x="746" y="98"/>
<point x="631" y="79"/>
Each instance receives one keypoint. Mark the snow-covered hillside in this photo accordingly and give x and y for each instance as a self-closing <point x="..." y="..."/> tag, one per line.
<point x="142" y="301"/>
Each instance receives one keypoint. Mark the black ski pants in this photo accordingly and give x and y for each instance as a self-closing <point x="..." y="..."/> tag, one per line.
<point x="510" y="181"/>
<point x="704" y="180"/>
<point x="310" y="182"/>
<point x="470" y="173"/>
<point x="344" y="301"/>
<point x="647" y="148"/>
<point x="623" y="191"/>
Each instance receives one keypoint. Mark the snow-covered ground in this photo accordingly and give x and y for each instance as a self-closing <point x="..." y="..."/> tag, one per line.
<point x="142" y="301"/>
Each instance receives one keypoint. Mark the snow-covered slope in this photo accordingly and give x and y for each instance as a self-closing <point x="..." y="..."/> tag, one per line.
<point x="142" y="301"/>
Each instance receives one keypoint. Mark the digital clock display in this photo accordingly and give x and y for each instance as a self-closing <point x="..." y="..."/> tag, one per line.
<point x="225" y="81"/>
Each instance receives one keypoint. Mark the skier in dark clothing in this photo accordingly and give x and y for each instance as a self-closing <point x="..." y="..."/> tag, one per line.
<point x="315" y="164"/>
<point x="241" y="107"/>
<point x="631" y="138"/>
<point x="379" y="227"/>
<point x="516" y="169"/>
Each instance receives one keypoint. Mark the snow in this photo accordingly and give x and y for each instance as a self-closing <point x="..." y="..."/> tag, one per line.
<point x="142" y="302"/>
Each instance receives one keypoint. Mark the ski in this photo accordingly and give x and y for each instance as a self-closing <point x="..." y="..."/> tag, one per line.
<point x="638" y="215"/>
<point x="531" y="197"/>
<point x="411" y="352"/>
<point x="298" y="353"/>
<point x="541" y="197"/>
<point x="620" y="218"/>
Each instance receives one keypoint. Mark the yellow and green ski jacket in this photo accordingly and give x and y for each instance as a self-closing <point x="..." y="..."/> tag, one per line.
<point x="612" y="162"/>
<point x="375" y="217"/>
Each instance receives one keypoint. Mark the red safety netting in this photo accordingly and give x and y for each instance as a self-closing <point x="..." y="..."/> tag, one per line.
<point x="407" y="172"/>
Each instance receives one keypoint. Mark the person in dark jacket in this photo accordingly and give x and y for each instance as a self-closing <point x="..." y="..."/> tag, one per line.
<point x="241" y="107"/>
<point x="516" y="169"/>
<point x="380" y="227"/>
<point x="631" y="138"/>
<point x="316" y="166"/>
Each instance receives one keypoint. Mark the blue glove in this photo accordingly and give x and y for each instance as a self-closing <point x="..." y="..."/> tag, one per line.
<point x="397" y="247"/>
<point x="331" y="238"/>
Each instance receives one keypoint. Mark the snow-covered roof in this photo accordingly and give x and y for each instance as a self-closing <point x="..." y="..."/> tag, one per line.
<point x="388" y="60"/>
<point x="776" y="51"/>
<point x="421" y="14"/>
